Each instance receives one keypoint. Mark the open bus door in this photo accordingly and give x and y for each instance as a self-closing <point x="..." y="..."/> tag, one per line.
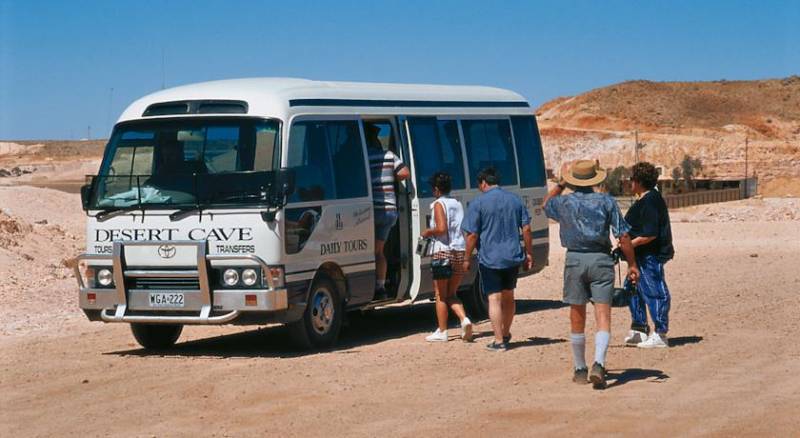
<point x="398" y="246"/>
<point x="408" y="223"/>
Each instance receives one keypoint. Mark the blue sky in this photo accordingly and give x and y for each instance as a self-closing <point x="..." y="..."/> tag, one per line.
<point x="59" y="60"/>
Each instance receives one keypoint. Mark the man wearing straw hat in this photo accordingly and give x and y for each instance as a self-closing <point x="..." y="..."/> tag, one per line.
<point x="585" y="217"/>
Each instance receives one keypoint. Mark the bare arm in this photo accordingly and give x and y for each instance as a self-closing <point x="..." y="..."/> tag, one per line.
<point x="555" y="191"/>
<point x="528" y="239"/>
<point x="627" y="249"/>
<point x="642" y="240"/>
<point x="440" y="221"/>
<point x="472" y="242"/>
<point x="402" y="174"/>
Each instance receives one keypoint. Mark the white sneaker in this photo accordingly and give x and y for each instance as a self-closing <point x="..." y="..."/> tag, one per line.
<point x="635" y="337"/>
<point x="437" y="336"/>
<point x="466" y="330"/>
<point x="654" y="341"/>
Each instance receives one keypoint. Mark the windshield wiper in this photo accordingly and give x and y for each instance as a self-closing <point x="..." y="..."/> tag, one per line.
<point x="243" y="197"/>
<point x="185" y="212"/>
<point x="114" y="212"/>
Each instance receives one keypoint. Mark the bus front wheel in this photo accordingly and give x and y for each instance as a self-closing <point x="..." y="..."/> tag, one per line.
<point x="322" y="319"/>
<point x="155" y="336"/>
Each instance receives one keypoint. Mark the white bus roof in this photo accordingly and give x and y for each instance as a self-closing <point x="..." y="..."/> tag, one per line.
<point x="274" y="97"/>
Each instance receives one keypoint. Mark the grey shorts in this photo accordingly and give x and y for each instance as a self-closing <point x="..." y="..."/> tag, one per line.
<point x="588" y="275"/>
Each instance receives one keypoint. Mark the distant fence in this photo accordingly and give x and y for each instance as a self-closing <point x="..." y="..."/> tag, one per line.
<point x="690" y="199"/>
<point x="703" y="197"/>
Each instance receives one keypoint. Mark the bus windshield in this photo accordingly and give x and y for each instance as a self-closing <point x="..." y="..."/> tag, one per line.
<point x="187" y="162"/>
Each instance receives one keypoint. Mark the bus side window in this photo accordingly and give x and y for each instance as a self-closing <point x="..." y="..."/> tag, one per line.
<point x="308" y="156"/>
<point x="488" y="143"/>
<point x="347" y="157"/>
<point x="265" y="156"/>
<point x="436" y="148"/>
<point x="328" y="161"/>
<point x="529" y="151"/>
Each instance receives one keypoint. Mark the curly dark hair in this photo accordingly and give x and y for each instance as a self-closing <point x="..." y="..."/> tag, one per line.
<point x="645" y="174"/>
<point x="442" y="181"/>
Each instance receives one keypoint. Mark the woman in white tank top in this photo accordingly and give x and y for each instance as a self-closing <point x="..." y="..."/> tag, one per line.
<point x="448" y="243"/>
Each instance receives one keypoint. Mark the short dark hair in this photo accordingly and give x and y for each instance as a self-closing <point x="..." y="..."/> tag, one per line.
<point x="489" y="175"/>
<point x="645" y="174"/>
<point x="442" y="181"/>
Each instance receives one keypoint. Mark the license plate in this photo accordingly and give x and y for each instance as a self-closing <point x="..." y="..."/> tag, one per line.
<point x="166" y="299"/>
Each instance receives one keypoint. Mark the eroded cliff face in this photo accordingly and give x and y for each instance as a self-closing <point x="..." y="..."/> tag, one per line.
<point x="707" y="120"/>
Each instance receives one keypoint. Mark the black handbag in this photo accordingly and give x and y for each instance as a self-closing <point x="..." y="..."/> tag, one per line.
<point x="441" y="269"/>
<point x="622" y="294"/>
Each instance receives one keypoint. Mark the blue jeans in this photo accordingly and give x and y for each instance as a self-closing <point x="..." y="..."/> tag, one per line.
<point x="651" y="293"/>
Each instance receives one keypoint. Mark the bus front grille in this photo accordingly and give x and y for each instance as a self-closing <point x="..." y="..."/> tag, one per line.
<point x="164" y="283"/>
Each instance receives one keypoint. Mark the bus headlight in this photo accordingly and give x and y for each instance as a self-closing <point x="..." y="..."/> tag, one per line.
<point x="230" y="277"/>
<point x="249" y="277"/>
<point x="105" y="277"/>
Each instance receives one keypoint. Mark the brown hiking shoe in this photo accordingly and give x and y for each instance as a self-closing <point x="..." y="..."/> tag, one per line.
<point x="581" y="376"/>
<point x="598" y="376"/>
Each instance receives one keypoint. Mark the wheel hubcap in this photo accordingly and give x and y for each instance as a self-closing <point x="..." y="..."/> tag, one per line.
<point x="322" y="311"/>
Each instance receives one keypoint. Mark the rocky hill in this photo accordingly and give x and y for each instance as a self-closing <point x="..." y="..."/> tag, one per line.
<point x="707" y="120"/>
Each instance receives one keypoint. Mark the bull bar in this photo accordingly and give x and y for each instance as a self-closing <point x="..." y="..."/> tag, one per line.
<point x="119" y="298"/>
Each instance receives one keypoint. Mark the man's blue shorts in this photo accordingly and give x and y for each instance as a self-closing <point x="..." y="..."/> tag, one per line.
<point x="384" y="221"/>
<point x="496" y="280"/>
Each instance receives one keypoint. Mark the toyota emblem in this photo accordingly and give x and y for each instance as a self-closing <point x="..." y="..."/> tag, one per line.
<point x="166" y="251"/>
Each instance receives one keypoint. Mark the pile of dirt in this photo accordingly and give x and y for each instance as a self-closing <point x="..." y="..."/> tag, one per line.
<point x="12" y="231"/>
<point x="748" y="210"/>
<point x="40" y="229"/>
<point x="707" y="120"/>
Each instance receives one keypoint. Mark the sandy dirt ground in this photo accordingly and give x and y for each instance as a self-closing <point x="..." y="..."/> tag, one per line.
<point x="731" y="369"/>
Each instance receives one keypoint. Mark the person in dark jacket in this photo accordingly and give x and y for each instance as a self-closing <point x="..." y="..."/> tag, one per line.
<point x="651" y="237"/>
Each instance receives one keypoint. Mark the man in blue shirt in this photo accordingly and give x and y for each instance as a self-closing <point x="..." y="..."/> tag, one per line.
<point x="585" y="218"/>
<point x="493" y="223"/>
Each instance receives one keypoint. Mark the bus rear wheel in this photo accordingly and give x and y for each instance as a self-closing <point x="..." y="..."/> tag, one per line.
<point x="322" y="319"/>
<point x="156" y="336"/>
<point x="475" y="301"/>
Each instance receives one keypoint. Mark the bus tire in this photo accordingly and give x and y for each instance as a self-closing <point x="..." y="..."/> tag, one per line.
<point x="156" y="336"/>
<point x="475" y="301"/>
<point x="322" y="320"/>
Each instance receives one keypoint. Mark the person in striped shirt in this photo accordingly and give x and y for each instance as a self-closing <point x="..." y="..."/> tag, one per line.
<point x="386" y="169"/>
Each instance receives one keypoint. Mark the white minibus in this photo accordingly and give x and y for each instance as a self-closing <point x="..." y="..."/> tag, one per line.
<point x="249" y="201"/>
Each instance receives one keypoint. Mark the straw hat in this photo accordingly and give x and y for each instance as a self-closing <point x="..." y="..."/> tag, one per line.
<point x="585" y="173"/>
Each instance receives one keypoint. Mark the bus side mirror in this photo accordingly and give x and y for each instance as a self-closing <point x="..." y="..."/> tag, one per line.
<point x="281" y="188"/>
<point x="285" y="182"/>
<point x="86" y="195"/>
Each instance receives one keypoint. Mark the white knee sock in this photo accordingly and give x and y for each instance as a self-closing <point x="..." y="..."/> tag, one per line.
<point x="380" y="284"/>
<point x="578" y="349"/>
<point x="601" y="340"/>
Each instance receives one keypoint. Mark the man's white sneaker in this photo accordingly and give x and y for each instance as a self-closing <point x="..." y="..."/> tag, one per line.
<point x="635" y="337"/>
<point x="466" y="330"/>
<point x="437" y="336"/>
<point x="654" y="341"/>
